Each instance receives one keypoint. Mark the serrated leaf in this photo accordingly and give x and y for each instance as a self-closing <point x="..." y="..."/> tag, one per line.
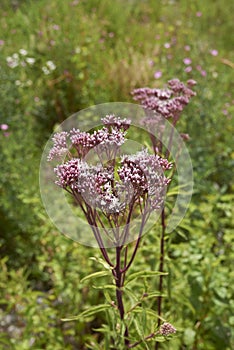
<point x="144" y="274"/>
<point x="87" y="313"/>
<point x="95" y="275"/>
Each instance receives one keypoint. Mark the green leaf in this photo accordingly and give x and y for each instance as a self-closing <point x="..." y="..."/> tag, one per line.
<point x="87" y="313"/>
<point x="102" y="262"/>
<point x="105" y="286"/>
<point x="144" y="274"/>
<point x="140" y="333"/>
<point x="189" y="336"/>
<point x="95" y="275"/>
<point x="149" y="312"/>
<point x="153" y="295"/>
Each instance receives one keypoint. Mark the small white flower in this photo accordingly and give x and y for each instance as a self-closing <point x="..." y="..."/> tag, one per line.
<point x="30" y="60"/>
<point x="45" y="70"/>
<point x="28" y="83"/>
<point x="9" y="59"/>
<point x="17" y="82"/>
<point x="15" y="56"/>
<point x="23" y="52"/>
<point x="51" y="65"/>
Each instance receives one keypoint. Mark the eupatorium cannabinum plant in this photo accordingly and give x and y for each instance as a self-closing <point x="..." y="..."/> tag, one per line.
<point x="112" y="190"/>
<point x="167" y="103"/>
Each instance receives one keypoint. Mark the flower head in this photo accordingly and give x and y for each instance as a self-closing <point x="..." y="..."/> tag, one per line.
<point x="60" y="147"/>
<point x="168" y="102"/>
<point x="4" y="126"/>
<point x="113" y="121"/>
<point x="167" y="329"/>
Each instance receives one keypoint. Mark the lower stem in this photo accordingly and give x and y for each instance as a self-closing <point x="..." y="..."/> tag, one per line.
<point x="119" y="296"/>
<point x="161" y="269"/>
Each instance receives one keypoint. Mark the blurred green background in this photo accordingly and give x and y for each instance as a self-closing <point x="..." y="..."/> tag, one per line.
<point x="60" y="56"/>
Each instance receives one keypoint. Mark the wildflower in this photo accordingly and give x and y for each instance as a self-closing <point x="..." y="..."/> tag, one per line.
<point x="168" y="102"/>
<point x="82" y="142"/>
<point x="187" y="61"/>
<point x="158" y="74"/>
<point x="23" y="52"/>
<point x="113" y="121"/>
<point x="188" y="69"/>
<point x="191" y="82"/>
<point x="51" y="65"/>
<point x="198" y="13"/>
<point x="187" y="48"/>
<point x="167" y="45"/>
<point x="45" y="70"/>
<point x="4" y="126"/>
<point x="109" y="186"/>
<point x="60" y="146"/>
<point x="13" y="61"/>
<point x="167" y="329"/>
<point x="2" y="42"/>
<point x="56" y="27"/>
<point x="30" y="60"/>
<point x="214" y="52"/>
<point x="203" y="73"/>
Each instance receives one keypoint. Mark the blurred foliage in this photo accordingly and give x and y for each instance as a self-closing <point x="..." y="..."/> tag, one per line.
<point x="99" y="53"/>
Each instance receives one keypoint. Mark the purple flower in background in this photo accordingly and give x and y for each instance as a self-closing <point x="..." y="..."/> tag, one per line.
<point x="199" y="14"/>
<point x="187" y="48"/>
<point x="203" y="73"/>
<point x="4" y="127"/>
<point x="188" y="69"/>
<point x="167" y="102"/>
<point x="214" y="52"/>
<point x="56" y="27"/>
<point x="187" y="60"/>
<point x="158" y="74"/>
<point x="2" y="42"/>
<point x="167" y="45"/>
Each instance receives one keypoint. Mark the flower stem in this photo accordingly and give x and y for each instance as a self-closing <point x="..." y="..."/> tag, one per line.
<point x="161" y="269"/>
<point x="119" y="284"/>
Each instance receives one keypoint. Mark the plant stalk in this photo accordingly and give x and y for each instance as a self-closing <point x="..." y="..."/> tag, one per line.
<point x="119" y="284"/>
<point x="161" y="269"/>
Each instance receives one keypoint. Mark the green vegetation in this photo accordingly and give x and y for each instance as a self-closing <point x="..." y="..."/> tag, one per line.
<point x="58" y="57"/>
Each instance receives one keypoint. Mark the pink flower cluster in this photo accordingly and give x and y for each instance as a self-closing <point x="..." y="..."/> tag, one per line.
<point x="110" y="137"/>
<point x="168" y="102"/>
<point x="111" y="185"/>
